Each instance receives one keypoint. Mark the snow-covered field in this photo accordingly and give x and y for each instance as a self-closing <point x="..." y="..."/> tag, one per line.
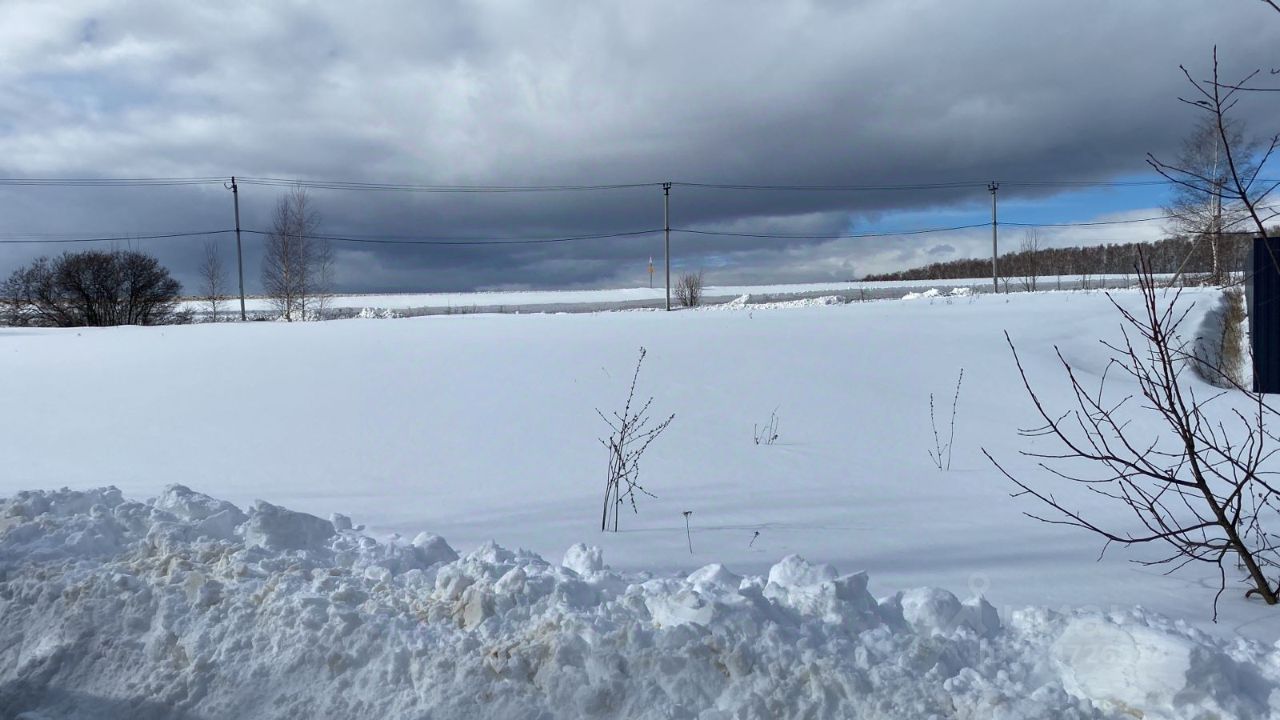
<point x="620" y="298"/>
<point x="532" y="298"/>
<point x="483" y="428"/>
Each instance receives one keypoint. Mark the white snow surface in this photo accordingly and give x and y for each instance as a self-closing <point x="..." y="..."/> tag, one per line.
<point x="185" y="606"/>
<point x="385" y="304"/>
<point x="481" y="428"/>
<point x="530" y="298"/>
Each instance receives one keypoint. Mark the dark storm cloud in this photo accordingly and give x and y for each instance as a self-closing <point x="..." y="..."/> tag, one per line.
<point x="810" y="93"/>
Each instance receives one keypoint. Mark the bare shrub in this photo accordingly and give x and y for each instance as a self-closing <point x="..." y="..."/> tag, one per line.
<point x="94" y="288"/>
<point x="767" y="434"/>
<point x="1198" y="487"/>
<point x="941" y="454"/>
<point x="632" y="435"/>
<point x="689" y="289"/>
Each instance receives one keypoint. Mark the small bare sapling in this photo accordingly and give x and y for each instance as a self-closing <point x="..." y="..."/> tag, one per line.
<point x="632" y="434"/>
<point x="767" y="434"/>
<point x="941" y="454"/>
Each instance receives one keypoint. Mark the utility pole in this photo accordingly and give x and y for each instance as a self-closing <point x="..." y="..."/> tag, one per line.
<point x="666" y="232"/>
<point x="995" y="249"/>
<point x="235" y="197"/>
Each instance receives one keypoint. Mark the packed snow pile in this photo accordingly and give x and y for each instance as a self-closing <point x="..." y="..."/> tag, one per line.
<point x="927" y="294"/>
<point x="958" y="292"/>
<point x="187" y="606"/>
<point x="743" y="302"/>
<point x="371" y="313"/>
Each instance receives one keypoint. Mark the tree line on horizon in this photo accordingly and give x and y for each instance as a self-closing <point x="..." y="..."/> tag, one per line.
<point x="1179" y="253"/>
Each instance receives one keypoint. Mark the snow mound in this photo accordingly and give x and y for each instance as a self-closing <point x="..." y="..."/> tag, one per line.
<point x="743" y="302"/>
<point x="371" y="313"/>
<point x="185" y="606"/>
<point x="930" y="293"/>
<point x="956" y="292"/>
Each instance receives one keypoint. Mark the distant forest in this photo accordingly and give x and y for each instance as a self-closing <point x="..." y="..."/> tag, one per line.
<point x="1166" y="256"/>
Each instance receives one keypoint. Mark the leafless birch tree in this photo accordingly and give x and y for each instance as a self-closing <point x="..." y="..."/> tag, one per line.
<point x="1206" y="216"/>
<point x="1236" y="179"/>
<point x="1029" y="260"/>
<point x="213" y="290"/>
<point x="297" y="265"/>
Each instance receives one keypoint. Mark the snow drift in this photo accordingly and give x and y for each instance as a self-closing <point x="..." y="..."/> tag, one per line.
<point x="188" y="607"/>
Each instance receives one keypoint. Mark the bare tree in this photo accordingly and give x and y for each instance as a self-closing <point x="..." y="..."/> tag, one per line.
<point x="1008" y="270"/>
<point x="213" y="290"/>
<point x="18" y="293"/>
<point x="1240" y="181"/>
<point x="631" y="436"/>
<point x="297" y="266"/>
<point x="1206" y="216"/>
<point x="1199" y="487"/>
<point x="320" y="290"/>
<point x="1029" y="260"/>
<point x="689" y="289"/>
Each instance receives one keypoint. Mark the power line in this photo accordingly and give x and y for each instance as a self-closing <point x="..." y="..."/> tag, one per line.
<point x="833" y="188"/>
<point x="1091" y="223"/>
<point x="400" y="187"/>
<point x="463" y="240"/>
<point x="788" y="236"/>
<point x="474" y="241"/>
<point x="29" y="240"/>
<point x="323" y="184"/>
<point x="108" y="182"/>
<point x="1085" y="183"/>
<point x="1127" y="221"/>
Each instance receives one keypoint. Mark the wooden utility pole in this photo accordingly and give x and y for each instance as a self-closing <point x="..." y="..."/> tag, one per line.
<point x="235" y="197"/>
<point x="666" y="232"/>
<point x="995" y="249"/>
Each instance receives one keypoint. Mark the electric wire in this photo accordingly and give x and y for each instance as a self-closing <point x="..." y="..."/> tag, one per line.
<point x="475" y="241"/>
<point x="26" y="240"/>
<point x="354" y="185"/>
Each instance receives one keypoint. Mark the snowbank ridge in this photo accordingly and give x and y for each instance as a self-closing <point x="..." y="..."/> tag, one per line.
<point x="188" y="607"/>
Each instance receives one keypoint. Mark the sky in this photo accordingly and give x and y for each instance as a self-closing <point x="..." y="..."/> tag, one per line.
<point x="559" y="93"/>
